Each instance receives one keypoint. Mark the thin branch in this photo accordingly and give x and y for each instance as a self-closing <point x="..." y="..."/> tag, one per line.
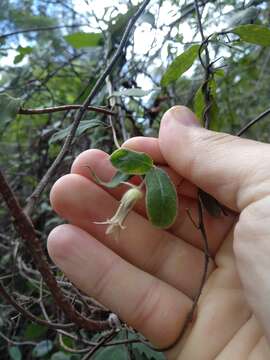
<point x="252" y="122"/>
<point x="27" y="232"/>
<point x="27" y="314"/>
<point x="80" y="112"/>
<point x="17" y="343"/>
<point x="98" y="109"/>
<point x="208" y="70"/>
<point x="105" y="339"/>
<point x="37" y="29"/>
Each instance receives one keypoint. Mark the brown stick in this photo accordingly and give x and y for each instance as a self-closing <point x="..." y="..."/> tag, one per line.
<point x="26" y="230"/>
<point x="98" y="109"/>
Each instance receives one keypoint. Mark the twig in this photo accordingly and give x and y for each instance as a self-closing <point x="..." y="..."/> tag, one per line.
<point x="208" y="70"/>
<point x="106" y="338"/>
<point x="37" y="29"/>
<point x="252" y="122"/>
<point x="27" y="314"/>
<point x="80" y="112"/>
<point x="17" y="343"/>
<point x="98" y="109"/>
<point x="26" y="230"/>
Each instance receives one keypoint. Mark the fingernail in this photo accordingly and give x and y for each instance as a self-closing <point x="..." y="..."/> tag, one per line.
<point x="183" y="115"/>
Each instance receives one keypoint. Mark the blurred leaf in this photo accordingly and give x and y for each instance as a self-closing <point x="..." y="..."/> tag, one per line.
<point x="210" y="203"/>
<point x="119" y="23"/>
<point x="219" y="73"/>
<point x="131" y="162"/>
<point x="143" y="352"/>
<point x="245" y="16"/>
<point x="161" y="198"/>
<point x="23" y="51"/>
<point x="111" y="353"/>
<point x="15" y="353"/>
<point x="60" y="356"/>
<point x="254" y="34"/>
<point x="198" y="104"/>
<point x="9" y="107"/>
<point x="148" y="17"/>
<point x="180" y="65"/>
<point x="34" y="331"/>
<point x="117" y="179"/>
<point x="42" y="348"/>
<point x="80" y="39"/>
<point x="84" y="125"/>
<point x="136" y="92"/>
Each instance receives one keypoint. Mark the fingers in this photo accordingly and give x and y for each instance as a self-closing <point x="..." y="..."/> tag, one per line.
<point x="183" y="227"/>
<point x="252" y="252"/>
<point x="231" y="169"/>
<point x="153" y="250"/>
<point x="153" y="307"/>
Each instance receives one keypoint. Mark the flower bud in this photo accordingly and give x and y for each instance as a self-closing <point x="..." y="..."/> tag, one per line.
<point x="127" y="203"/>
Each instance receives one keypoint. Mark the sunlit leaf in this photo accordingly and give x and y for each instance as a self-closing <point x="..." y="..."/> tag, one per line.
<point x="180" y="65"/>
<point x="80" y="39"/>
<point x="254" y="34"/>
<point x="22" y="52"/>
<point x="136" y="92"/>
<point x="42" y="348"/>
<point x="84" y="125"/>
<point x="161" y="198"/>
<point x="131" y="162"/>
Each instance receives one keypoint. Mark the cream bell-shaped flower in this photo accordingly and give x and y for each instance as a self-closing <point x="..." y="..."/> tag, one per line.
<point x="127" y="203"/>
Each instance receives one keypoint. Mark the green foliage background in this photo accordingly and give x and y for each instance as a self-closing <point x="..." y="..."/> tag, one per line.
<point x="59" y="66"/>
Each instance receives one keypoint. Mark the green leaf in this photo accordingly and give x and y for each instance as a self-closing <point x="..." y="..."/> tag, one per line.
<point x="84" y="125"/>
<point x="9" y="107"/>
<point x="148" y="17"/>
<point x="116" y="180"/>
<point x="111" y="353"/>
<point x="180" y="65"/>
<point x="161" y="198"/>
<point x="80" y="39"/>
<point x="143" y="352"/>
<point x="254" y="34"/>
<point x="198" y="103"/>
<point x="60" y="355"/>
<point x="241" y="17"/>
<point x="42" y="348"/>
<point x="136" y="92"/>
<point x="34" y="331"/>
<point x="22" y="52"/>
<point x="131" y="162"/>
<point x="210" y="204"/>
<point x="15" y="353"/>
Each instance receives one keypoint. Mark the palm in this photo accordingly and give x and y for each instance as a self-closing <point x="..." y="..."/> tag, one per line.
<point x="225" y="327"/>
<point x="149" y="276"/>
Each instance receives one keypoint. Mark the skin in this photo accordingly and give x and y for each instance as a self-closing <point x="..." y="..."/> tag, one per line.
<point x="150" y="276"/>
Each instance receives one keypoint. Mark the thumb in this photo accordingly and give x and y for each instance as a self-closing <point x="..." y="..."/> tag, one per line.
<point x="231" y="169"/>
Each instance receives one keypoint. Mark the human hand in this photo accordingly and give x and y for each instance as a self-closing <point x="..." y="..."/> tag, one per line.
<point x="149" y="276"/>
